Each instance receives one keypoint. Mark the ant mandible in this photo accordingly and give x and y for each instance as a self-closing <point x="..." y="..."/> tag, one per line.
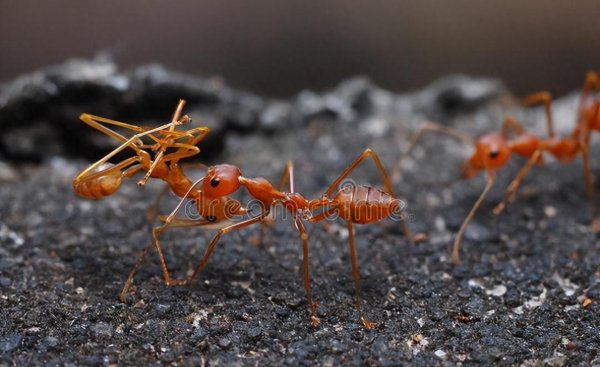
<point x="493" y="150"/>
<point x="353" y="204"/>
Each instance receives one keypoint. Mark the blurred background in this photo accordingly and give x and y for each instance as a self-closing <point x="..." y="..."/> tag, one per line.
<point x="276" y="47"/>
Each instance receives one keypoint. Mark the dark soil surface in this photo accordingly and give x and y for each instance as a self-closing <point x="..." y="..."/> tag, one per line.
<point x="518" y="298"/>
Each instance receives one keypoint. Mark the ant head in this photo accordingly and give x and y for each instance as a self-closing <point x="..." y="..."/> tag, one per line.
<point x="221" y="180"/>
<point x="491" y="152"/>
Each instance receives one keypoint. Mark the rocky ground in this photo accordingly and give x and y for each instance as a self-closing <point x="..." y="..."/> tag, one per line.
<point x="520" y="297"/>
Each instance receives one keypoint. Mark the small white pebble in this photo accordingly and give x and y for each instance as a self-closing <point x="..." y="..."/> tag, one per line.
<point x="432" y="201"/>
<point x="440" y="224"/>
<point x="497" y="291"/>
<point x="550" y="211"/>
<point x="473" y="283"/>
<point x="440" y="354"/>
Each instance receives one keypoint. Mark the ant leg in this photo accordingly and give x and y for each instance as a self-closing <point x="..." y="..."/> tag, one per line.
<point x="366" y="154"/>
<point x="171" y="218"/>
<point x="134" y="142"/>
<point x="131" y="143"/>
<point x="589" y="184"/>
<point x="312" y="305"/>
<point x="95" y="122"/>
<point x="544" y="98"/>
<point x="187" y="149"/>
<point x="125" y="291"/>
<point x="517" y="181"/>
<point x="386" y="182"/>
<point x="356" y="276"/>
<point x="591" y="83"/>
<point x="173" y="223"/>
<point x="150" y="217"/>
<point x="459" y="235"/>
<point x="215" y="241"/>
<point x="428" y="127"/>
<point x="512" y="124"/>
<point x="587" y="172"/>
<point x="158" y="158"/>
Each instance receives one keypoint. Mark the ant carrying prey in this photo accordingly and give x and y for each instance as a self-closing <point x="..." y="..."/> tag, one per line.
<point x="493" y="150"/>
<point x="353" y="204"/>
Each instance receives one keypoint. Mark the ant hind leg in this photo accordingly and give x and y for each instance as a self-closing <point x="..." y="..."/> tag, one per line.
<point x="544" y="98"/>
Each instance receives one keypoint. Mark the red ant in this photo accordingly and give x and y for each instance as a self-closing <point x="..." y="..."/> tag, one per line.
<point x="353" y="204"/>
<point x="102" y="178"/>
<point x="493" y="150"/>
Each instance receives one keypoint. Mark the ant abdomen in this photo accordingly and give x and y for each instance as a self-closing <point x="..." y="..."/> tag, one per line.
<point x="365" y="204"/>
<point x="104" y="182"/>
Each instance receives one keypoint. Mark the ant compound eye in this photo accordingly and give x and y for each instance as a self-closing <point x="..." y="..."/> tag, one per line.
<point x="211" y="218"/>
<point x="215" y="182"/>
<point x="494" y="154"/>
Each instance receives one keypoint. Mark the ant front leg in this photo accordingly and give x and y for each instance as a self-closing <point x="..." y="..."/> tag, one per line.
<point x="312" y="305"/>
<point x="169" y="221"/>
<point x="461" y="231"/>
<point x="169" y="224"/>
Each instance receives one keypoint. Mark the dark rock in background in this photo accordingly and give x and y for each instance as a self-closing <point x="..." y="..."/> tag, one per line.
<point x="517" y="298"/>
